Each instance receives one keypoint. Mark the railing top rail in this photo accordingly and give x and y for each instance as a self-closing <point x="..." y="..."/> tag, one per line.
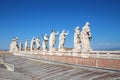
<point x="105" y="51"/>
<point x="76" y="51"/>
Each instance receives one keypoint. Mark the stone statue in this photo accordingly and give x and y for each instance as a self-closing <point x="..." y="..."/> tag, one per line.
<point x="20" y="46"/>
<point x="45" y="42"/>
<point x="32" y="44"/>
<point x="26" y="45"/>
<point x="52" y="40"/>
<point x="38" y="43"/>
<point x="11" y="46"/>
<point x="14" y="45"/>
<point x="62" y="39"/>
<point x="77" y="40"/>
<point x="85" y="37"/>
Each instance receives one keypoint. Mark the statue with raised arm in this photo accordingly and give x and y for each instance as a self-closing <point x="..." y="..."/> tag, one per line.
<point x="77" y="40"/>
<point x="45" y="43"/>
<point x="52" y="40"/>
<point x="62" y="39"/>
<point x="20" y="46"/>
<point x="26" y="45"/>
<point x="32" y="44"/>
<point x="38" y="43"/>
<point x="85" y="37"/>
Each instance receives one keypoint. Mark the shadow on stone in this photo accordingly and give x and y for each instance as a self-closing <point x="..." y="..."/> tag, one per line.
<point x="3" y="66"/>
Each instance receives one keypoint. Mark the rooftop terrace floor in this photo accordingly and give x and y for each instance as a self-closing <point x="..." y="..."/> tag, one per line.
<point x="31" y="69"/>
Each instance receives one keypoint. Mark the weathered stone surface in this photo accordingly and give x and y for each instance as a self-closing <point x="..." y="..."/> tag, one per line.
<point x="33" y="69"/>
<point x="32" y="44"/>
<point x="62" y="39"/>
<point x="38" y="43"/>
<point x="14" y="45"/>
<point x="45" y="42"/>
<point x="26" y="45"/>
<point x="52" y="40"/>
<point x="91" y="62"/>
<point x="85" y="37"/>
<point x="81" y="41"/>
<point x="77" y="39"/>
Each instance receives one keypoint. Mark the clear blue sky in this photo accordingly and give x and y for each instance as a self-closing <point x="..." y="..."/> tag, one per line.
<point x="30" y="18"/>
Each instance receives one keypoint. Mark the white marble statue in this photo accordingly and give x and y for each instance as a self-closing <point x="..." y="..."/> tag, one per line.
<point x="14" y="45"/>
<point x="32" y="44"/>
<point x="85" y="37"/>
<point x="45" y="42"/>
<point x="20" y="46"/>
<point x="52" y="40"/>
<point x="62" y="39"/>
<point x="38" y="43"/>
<point x="26" y="45"/>
<point x="11" y="46"/>
<point x="77" y="40"/>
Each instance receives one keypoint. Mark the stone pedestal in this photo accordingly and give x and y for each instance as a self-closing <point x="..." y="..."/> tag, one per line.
<point x="52" y="49"/>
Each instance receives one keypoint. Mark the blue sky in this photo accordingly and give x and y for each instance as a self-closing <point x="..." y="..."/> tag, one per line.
<point x="31" y="18"/>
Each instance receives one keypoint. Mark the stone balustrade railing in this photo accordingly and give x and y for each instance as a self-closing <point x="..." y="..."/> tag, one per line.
<point x="105" y="54"/>
<point x="97" y="59"/>
<point x="91" y="54"/>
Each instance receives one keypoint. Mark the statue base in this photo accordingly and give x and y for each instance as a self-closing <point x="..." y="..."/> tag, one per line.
<point x="85" y="54"/>
<point x="76" y="50"/>
<point x="61" y="49"/>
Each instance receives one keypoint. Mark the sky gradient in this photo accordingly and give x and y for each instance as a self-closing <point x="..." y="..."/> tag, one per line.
<point x="31" y="18"/>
